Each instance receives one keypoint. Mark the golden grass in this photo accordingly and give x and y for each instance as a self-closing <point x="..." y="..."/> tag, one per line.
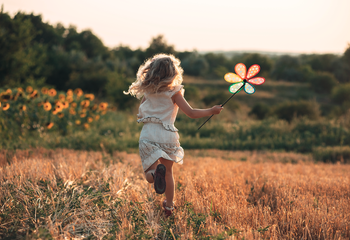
<point x="219" y="195"/>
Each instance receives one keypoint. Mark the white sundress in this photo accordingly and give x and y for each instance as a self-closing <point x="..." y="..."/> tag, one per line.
<point x="159" y="137"/>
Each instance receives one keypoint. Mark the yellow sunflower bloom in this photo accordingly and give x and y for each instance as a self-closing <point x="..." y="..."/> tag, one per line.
<point x="103" y="106"/>
<point x="52" y="92"/>
<point x="77" y="122"/>
<point x="90" y="119"/>
<point x="97" y="117"/>
<point x="23" y="108"/>
<point x="49" y="125"/>
<point x="59" y="106"/>
<point x="29" y="89"/>
<point x="82" y="115"/>
<point x="74" y="105"/>
<point x="61" y="97"/>
<point x="69" y="92"/>
<point x="47" y="106"/>
<point x="44" y="90"/>
<point x="90" y="96"/>
<point x="78" y="92"/>
<point x="72" y="111"/>
<point x="9" y="91"/>
<point x="65" y="104"/>
<point x="69" y="99"/>
<point x="34" y="94"/>
<point x="86" y="125"/>
<point x="6" y="106"/>
<point x="85" y="103"/>
<point x="4" y="97"/>
<point x="60" y="115"/>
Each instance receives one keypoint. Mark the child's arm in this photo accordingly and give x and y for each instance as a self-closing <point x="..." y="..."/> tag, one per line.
<point x="194" y="113"/>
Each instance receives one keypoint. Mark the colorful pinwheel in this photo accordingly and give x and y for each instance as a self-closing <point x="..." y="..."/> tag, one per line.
<point x="243" y="80"/>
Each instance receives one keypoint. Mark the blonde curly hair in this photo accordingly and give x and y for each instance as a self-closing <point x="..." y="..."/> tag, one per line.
<point x="158" y="74"/>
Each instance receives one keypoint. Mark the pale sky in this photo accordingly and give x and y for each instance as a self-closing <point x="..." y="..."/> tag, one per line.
<point x="302" y="26"/>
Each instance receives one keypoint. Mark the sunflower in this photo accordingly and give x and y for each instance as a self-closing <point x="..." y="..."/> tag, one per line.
<point x="62" y="97"/>
<point x="65" y="104"/>
<point x="34" y="94"/>
<point x="90" y="119"/>
<point x="6" y="106"/>
<point x="52" y="92"/>
<point x="29" y="89"/>
<point x="55" y="111"/>
<point x="86" y="125"/>
<point x="0" y="104"/>
<point x="9" y="91"/>
<point x="94" y="107"/>
<point x="70" y="92"/>
<point x="72" y="111"/>
<point x="59" y="106"/>
<point x="82" y="115"/>
<point x="44" y="90"/>
<point x="69" y="98"/>
<point x="77" y="122"/>
<point x="103" y="106"/>
<point x="78" y="92"/>
<point x="4" y="96"/>
<point x="90" y="96"/>
<point x="47" y="106"/>
<point x="49" y="125"/>
<point x="23" y="108"/>
<point x="20" y="89"/>
<point x="97" y="117"/>
<point x="60" y="115"/>
<point x="85" y="103"/>
<point x="74" y="105"/>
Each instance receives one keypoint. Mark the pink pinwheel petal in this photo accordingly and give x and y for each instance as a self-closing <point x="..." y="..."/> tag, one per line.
<point x="241" y="70"/>
<point x="257" y="80"/>
<point x="253" y="70"/>
<point x="232" y="78"/>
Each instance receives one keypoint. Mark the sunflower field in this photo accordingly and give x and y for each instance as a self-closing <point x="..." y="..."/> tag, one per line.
<point x="42" y="110"/>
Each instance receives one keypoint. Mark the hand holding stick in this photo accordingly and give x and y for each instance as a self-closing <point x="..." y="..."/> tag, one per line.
<point x="221" y="106"/>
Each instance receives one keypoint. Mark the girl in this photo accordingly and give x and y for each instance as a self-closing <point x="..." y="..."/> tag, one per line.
<point x="159" y="82"/>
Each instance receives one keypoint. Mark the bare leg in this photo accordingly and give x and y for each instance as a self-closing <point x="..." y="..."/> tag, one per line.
<point x="169" y="178"/>
<point x="150" y="171"/>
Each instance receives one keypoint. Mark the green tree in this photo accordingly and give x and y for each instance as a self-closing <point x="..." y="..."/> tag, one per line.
<point x="323" y="82"/>
<point x="22" y="60"/>
<point x="159" y="45"/>
<point x="289" y="110"/>
<point x="287" y="68"/>
<point x="195" y="64"/>
<point x="264" y="62"/>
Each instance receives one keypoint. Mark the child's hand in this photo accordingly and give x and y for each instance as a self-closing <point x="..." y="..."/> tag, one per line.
<point x="216" y="109"/>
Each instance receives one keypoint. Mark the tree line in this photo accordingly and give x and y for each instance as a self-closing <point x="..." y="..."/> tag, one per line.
<point x="39" y="54"/>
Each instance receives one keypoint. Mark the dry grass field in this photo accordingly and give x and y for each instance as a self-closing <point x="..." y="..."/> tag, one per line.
<point x="65" y="194"/>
